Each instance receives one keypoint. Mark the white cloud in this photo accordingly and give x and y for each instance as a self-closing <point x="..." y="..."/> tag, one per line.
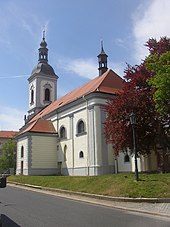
<point x="14" y="77"/>
<point x="120" y="42"/>
<point x="88" y="68"/>
<point x="118" y="67"/>
<point x="151" y="20"/>
<point x="10" y="118"/>
<point x="82" y="67"/>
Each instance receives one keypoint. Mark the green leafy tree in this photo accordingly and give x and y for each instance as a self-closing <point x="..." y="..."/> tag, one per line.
<point x="8" y="158"/>
<point x="159" y="65"/>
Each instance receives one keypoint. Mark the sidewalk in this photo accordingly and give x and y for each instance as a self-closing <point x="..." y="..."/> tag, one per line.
<point x="153" y="206"/>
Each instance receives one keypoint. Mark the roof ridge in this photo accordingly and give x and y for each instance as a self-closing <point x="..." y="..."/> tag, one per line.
<point x="102" y="78"/>
<point x="94" y="85"/>
<point x="81" y="86"/>
<point x="62" y="97"/>
<point x="89" y="82"/>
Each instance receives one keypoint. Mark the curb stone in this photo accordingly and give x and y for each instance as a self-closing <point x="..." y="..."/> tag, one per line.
<point x="96" y="196"/>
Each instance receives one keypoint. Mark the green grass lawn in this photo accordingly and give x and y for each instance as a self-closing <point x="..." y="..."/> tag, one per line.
<point x="118" y="185"/>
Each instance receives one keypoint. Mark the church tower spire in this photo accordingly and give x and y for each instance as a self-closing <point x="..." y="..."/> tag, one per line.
<point x="102" y="60"/>
<point x="43" y="50"/>
<point x="42" y="82"/>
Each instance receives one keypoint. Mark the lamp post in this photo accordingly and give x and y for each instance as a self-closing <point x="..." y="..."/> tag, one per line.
<point x="133" y="123"/>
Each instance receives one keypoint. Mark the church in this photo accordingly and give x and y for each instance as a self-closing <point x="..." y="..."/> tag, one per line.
<point x="65" y="136"/>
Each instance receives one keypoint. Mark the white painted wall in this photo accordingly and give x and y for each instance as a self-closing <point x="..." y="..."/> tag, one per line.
<point x="122" y="165"/>
<point x="75" y="144"/>
<point x="32" y="85"/>
<point x="22" y="142"/>
<point x="98" y="135"/>
<point x="80" y="141"/>
<point x="138" y="163"/>
<point x="80" y="145"/>
<point x="65" y="145"/>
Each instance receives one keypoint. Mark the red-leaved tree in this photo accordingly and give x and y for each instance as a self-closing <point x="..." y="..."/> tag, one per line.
<point x="137" y="97"/>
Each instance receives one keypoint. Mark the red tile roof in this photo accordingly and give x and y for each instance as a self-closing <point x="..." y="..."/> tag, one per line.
<point x="39" y="125"/>
<point x="8" y="134"/>
<point x="109" y="83"/>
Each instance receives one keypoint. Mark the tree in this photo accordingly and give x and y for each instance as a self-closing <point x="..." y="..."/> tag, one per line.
<point x="8" y="158"/>
<point x="160" y="67"/>
<point x="136" y="96"/>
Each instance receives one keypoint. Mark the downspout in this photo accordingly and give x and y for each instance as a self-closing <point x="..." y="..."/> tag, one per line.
<point x="87" y="135"/>
<point x="94" y="133"/>
<point x="72" y="135"/>
<point x="58" y="142"/>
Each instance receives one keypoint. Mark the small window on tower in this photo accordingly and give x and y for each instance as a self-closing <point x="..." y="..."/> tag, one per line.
<point x="32" y="96"/>
<point x="81" y="154"/>
<point x="22" y="152"/>
<point x="47" y="94"/>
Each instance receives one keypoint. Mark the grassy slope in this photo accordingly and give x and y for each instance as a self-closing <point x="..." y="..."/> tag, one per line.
<point x="150" y="185"/>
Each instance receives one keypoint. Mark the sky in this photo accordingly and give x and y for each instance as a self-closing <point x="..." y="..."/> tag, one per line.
<point x="74" y="30"/>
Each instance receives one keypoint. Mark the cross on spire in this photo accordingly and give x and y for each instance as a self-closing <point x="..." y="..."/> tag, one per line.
<point x="44" y="33"/>
<point x="43" y="50"/>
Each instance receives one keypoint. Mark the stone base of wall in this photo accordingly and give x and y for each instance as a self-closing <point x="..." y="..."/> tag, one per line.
<point x="79" y="171"/>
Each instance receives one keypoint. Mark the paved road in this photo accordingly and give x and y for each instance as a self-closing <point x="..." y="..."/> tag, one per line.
<point x="20" y="207"/>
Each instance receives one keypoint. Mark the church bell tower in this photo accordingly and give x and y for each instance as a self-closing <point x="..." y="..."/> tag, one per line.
<point x="102" y="60"/>
<point x="42" y="82"/>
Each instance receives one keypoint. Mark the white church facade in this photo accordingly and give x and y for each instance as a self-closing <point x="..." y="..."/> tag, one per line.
<point x="65" y="136"/>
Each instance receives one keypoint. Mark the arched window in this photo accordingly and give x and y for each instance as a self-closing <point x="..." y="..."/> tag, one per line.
<point x="81" y="154"/>
<point x="32" y="96"/>
<point x="22" y="152"/>
<point x="80" y="127"/>
<point x="65" y="153"/>
<point x="126" y="158"/>
<point x="47" y="94"/>
<point x="62" y="132"/>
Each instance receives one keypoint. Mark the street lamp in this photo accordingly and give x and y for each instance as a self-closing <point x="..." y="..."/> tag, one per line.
<point x="133" y="123"/>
